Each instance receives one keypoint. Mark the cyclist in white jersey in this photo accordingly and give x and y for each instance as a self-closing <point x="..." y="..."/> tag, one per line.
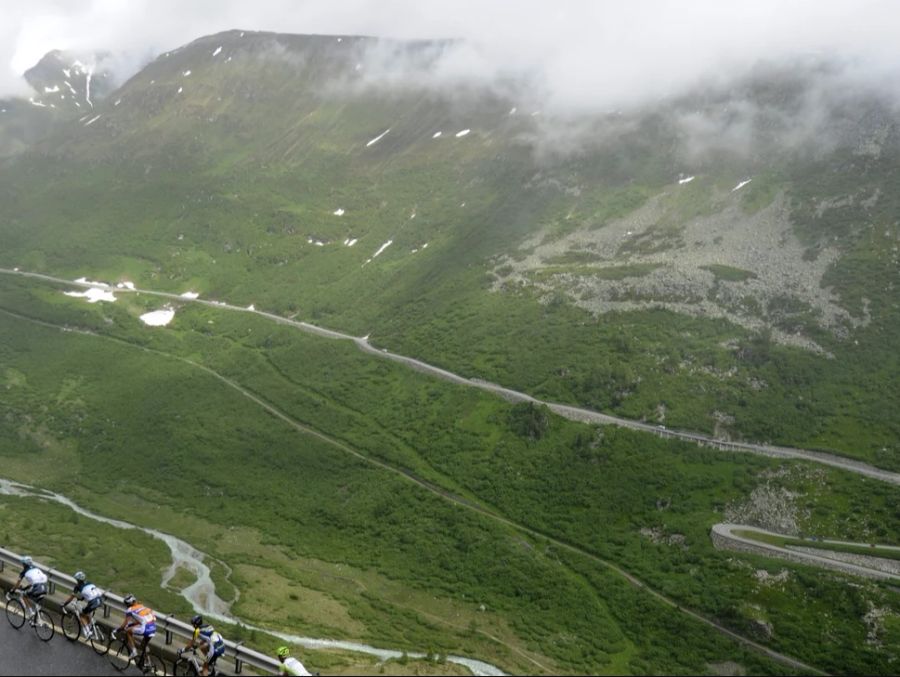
<point x="33" y="582"/>
<point x="91" y="595"/>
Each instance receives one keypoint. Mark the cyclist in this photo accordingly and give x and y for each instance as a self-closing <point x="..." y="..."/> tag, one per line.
<point x="33" y="582"/>
<point x="139" y="620"/>
<point x="91" y="595"/>
<point x="290" y="665"/>
<point x="211" y="643"/>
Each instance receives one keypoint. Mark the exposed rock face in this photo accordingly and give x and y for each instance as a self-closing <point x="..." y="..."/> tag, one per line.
<point x="770" y="507"/>
<point x="750" y="269"/>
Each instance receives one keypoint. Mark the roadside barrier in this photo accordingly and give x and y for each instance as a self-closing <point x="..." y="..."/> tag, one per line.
<point x="173" y="631"/>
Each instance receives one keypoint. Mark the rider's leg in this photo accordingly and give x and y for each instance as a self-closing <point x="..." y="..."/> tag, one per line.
<point x="129" y="639"/>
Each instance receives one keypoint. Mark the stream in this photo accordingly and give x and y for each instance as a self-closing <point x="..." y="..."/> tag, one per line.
<point x="202" y="592"/>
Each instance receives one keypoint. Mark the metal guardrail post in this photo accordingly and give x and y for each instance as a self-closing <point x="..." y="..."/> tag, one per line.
<point x="238" y="663"/>
<point x="52" y="588"/>
<point x="106" y="611"/>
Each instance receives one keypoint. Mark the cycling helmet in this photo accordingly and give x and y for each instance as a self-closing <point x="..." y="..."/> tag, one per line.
<point x="129" y="600"/>
<point x="27" y="561"/>
<point x="283" y="652"/>
<point x="79" y="576"/>
<point x="197" y="621"/>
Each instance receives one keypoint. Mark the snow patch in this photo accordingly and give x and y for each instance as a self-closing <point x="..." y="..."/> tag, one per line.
<point x="84" y="280"/>
<point x="349" y="242"/>
<point x="251" y="307"/>
<point x="377" y="138"/>
<point x="338" y="212"/>
<point x="512" y="111"/>
<point x="118" y="101"/>
<point x="186" y="73"/>
<point x="180" y="90"/>
<point x="463" y="133"/>
<point x="312" y="240"/>
<point x="93" y="120"/>
<point x="681" y="182"/>
<point x="93" y="295"/>
<point x="36" y="103"/>
<point x="228" y="59"/>
<point x="190" y="295"/>
<point x="425" y="246"/>
<point x="158" y="318"/>
<point x="437" y="135"/>
<point x="67" y="73"/>
<point x="741" y="185"/>
<point x="218" y="51"/>
<point x="125" y="284"/>
<point x="51" y="90"/>
<point x="382" y="248"/>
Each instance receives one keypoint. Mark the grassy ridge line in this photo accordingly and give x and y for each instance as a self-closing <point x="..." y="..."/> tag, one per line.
<point x="444" y="494"/>
<point x="567" y="411"/>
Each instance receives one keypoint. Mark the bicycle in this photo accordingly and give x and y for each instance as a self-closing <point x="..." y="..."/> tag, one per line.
<point x="39" y="619"/>
<point x="120" y="657"/>
<point x="72" y="627"/>
<point x="190" y="664"/>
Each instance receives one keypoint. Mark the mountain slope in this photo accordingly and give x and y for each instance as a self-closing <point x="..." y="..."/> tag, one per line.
<point x="277" y="153"/>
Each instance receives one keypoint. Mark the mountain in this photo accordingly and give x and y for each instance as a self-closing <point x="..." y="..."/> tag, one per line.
<point x="723" y="261"/>
<point x="64" y="88"/>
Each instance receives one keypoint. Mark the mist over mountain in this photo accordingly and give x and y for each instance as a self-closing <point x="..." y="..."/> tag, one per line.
<point x="705" y="250"/>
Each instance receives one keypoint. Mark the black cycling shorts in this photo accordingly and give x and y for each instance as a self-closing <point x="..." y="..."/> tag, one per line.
<point x="92" y="606"/>
<point x="37" y="592"/>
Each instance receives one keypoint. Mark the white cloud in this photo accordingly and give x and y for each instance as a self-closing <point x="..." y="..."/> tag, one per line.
<point x="585" y="54"/>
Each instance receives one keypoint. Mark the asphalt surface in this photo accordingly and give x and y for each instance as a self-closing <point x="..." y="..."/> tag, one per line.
<point x="22" y="653"/>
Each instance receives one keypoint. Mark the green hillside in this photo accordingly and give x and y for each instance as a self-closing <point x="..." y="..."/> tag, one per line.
<point x="738" y="280"/>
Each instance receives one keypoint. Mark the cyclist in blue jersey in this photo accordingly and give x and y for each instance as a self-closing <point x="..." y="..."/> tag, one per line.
<point x="210" y="642"/>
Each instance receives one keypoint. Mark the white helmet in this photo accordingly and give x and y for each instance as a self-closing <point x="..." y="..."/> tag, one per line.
<point x="79" y="576"/>
<point x="27" y="561"/>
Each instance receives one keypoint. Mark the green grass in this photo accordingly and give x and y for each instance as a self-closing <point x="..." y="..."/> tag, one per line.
<point x="730" y="273"/>
<point x="561" y="482"/>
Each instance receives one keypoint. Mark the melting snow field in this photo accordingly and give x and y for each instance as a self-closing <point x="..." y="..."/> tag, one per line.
<point x="741" y="185"/>
<point x="190" y="295"/>
<point x="377" y="138"/>
<point x="463" y="133"/>
<point x="681" y="182"/>
<point x="338" y="212"/>
<point x="382" y="248"/>
<point x="158" y="318"/>
<point x="93" y="295"/>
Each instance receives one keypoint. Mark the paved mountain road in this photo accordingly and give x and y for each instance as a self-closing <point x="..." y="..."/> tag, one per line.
<point x="446" y="495"/>
<point x="567" y="411"/>
<point x="22" y="653"/>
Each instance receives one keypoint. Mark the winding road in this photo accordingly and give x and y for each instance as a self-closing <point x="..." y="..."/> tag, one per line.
<point x="724" y="536"/>
<point x="441" y="492"/>
<point x="564" y="410"/>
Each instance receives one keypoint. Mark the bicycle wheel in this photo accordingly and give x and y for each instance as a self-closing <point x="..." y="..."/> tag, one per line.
<point x="71" y="626"/>
<point x="15" y="613"/>
<point x="100" y="639"/>
<point x="154" y="665"/>
<point x="119" y="655"/>
<point x="184" y="668"/>
<point x="43" y="626"/>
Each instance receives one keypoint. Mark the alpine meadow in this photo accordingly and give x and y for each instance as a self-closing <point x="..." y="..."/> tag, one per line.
<point x="341" y="327"/>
